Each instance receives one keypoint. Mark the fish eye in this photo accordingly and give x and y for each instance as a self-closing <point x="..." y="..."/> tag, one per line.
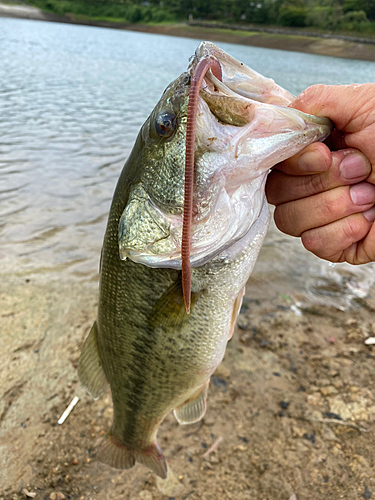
<point x="166" y="124"/>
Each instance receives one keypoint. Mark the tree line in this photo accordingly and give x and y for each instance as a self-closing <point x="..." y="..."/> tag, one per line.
<point x="331" y="15"/>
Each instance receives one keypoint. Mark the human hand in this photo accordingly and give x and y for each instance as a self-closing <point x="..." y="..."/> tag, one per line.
<point x="326" y="195"/>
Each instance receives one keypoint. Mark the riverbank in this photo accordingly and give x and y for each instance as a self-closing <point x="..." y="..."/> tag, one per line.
<point x="296" y="386"/>
<point x="298" y="43"/>
<point x="336" y="46"/>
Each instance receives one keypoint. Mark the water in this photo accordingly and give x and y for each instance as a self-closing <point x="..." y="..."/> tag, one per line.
<point x="72" y="100"/>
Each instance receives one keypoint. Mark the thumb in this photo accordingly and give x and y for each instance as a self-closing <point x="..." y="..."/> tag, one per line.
<point x="340" y="103"/>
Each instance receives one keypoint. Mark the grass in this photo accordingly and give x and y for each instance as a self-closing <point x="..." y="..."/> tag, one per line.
<point x="113" y="12"/>
<point x="159" y="16"/>
<point x="224" y="30"/>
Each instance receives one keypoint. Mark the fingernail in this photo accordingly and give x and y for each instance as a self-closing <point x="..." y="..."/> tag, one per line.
<point x="362" y="193"/>
<point x="370" y="214"/>
<point x="354" y="165"/>
<point x="312" y="161"/>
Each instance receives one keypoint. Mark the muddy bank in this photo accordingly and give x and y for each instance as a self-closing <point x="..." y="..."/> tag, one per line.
<point x="298" y="43"/>
<point x="337" y="47"/>
<point x="291" y="410"/>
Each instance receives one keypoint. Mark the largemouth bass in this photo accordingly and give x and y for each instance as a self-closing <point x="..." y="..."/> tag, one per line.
<point x="154" y="355"/>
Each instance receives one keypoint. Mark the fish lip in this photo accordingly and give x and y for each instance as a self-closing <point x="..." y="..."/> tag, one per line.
<point x="239" y="79"/>
<point x="207" y="50"/>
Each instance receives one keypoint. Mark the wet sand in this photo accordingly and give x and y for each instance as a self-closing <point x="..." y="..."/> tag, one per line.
<point x="291" y="408"/>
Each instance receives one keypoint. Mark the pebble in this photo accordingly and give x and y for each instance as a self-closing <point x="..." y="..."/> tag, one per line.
<point x="209" y="422"/>
<point x="219" y="383"/>
<point x="367" y="494"/>
<point x="344" y="477"/>
<point x="338" y="406"/>
<point x="315" y="399"/>
<point x="331" y="339"/>
<point x="145" y="495"/>
<point x="359" y="461"/>
<point x="29" y="494"/>
<point x="328" y="434"/>
<point x="338" y="383"/>
<point x="240" y="447"/>
<point x="326" y="391"/>
<point x="57" y="495"/>
<point x="298" y="432"/>
<point x="222" y="371"/>
<point x="284" y="404"/>
<point x="309" y="437"/>
<point x="171" y="486"/>
<point x="336" y="451"/>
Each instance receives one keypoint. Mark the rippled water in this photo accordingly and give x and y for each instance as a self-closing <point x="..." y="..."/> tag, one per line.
<point x="72" y="99"/>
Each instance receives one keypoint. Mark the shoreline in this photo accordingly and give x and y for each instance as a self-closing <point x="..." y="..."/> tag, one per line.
<point x="324" y="44"/>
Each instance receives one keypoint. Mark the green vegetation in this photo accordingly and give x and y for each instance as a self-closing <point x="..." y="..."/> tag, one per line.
<point x="333" y="15"/>
<point x="96" y="10"/>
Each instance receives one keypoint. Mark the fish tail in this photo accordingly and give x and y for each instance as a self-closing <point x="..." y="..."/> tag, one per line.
<point x="117" y="455"/>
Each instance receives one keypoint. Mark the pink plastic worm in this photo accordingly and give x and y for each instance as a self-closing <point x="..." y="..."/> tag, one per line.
<point x="199" y="73"/>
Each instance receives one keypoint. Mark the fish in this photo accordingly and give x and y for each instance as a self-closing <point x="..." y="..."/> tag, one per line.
<point x="195" y="180"/>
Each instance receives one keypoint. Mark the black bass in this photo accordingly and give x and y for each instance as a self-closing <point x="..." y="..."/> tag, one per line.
<point x="154" y="355"/>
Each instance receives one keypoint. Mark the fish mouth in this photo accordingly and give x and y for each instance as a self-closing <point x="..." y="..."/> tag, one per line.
<point x="252" y="103"/>
<point x="245" y="120"/>
<point x="244" y="126"/>
<point x="238" y="80"/>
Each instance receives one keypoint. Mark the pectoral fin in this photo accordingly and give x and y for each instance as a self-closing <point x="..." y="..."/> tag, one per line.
<point x="169" y="310"/>
<point x="90" y="370"/>
<point x="194" y="408"/>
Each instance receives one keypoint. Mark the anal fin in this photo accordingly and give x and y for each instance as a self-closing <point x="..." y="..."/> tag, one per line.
<point x="90" y="370"/>
<point x="236" y="310"/>
<point x="119" y="456"/>
<point x="194" y="408"/>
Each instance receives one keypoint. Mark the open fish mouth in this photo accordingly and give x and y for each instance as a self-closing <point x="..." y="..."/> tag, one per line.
<point x="240" y="80"/>
<point x="243" y="126"/>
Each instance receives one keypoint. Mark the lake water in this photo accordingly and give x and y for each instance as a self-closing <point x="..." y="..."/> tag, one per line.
<point x="72" y="99"/>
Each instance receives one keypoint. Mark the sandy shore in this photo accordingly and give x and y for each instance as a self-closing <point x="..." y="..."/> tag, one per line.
<point x="291" y="409"/>
<point x="337" y="47"/>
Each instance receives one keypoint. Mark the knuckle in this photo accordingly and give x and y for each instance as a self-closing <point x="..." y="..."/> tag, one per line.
<point x="351" y="229"/>
<point x="285" y="219"/>
<point x="366" y="256"/>
<point x="313" y="242"/>
<point x="333" y="204"/>
<point x="317" y="184"/>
